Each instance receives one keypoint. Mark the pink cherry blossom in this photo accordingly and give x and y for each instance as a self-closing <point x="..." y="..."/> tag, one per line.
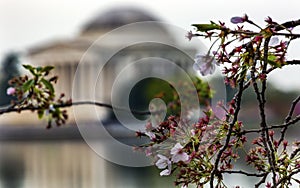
<point x="148" y="151"/>
<point x="193" y="132"/>
<point x="238" y="19"/>
<point x="205" y="64"/>
<point x="10" y="91"/>
<point x="274" y="41"/>
<point x="178" y="154"/>
<point x="269" y="20"/>
<point x="162" y="163"/>
<point x="150" y="134"/>
<point x="189" y="35"/>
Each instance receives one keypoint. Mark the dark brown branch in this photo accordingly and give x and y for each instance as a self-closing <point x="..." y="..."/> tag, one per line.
<point x="291" y="122"/>
<point x="243" y="172"/>
<point x="260" y="96"/>
<point x="293" y="36"/>
<point x="289" y="24"/>
<point x="294" y="153"/>
<point x="137" y="112"/>
<point x="262" y="180"/>
<point x="287" y="177"/>
<point x="251" y="33"/>
<point x="288" y="118"/>
<point x="230" y="129"/>
<point x="293" y="62"/>
<point x="270" y="150"/>
<point x="66" y="105"/>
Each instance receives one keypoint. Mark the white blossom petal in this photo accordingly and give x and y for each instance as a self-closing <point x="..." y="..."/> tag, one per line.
<point x="51" y="107"/>
<point x="205" y="64"/>
<point x="162" y="162"/>
<point x="148" y="151"/>
<point x="176" y="149"/>
<point x="274" y="41"/>
<point x="180" y="157"/>
<point x="165" y="172"/>
<point x="190" y="35"/>
<point x="178" y="154"/>
<point x="150" y="134"/>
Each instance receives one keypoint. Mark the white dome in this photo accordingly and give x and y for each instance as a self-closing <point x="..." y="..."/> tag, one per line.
<point x="117" y="17"/>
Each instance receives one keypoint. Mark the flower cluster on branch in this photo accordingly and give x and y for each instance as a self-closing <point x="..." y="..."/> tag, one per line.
<point x="200" y="152"/>
<point x="211" y="146"/>
<point x="36" y="93"/>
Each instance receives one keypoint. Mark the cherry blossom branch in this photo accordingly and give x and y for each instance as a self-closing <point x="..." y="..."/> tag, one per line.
<point x="291" y="122"/>
<point x="263" y="179"/>
<point x="66" y="105"/>
<point x="288" y="118"/>
<point x="260" y="96"/>
<point x="197" y="161"/>
<point x="294" y="153"/>
<point x="244" y="173"/>
<point x="230" y="130"/>
<point x="293" y="62"/>
<point x="252" y="33"/>
<point x="290" y="62"/>
<point x="259" y="61"/>
<point x="289" y="177"/>
<point x="289" y="24"/>
<point x="265" y="135"/>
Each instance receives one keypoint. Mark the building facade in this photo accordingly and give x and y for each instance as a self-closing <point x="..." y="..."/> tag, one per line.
<point x="130" y="34"/>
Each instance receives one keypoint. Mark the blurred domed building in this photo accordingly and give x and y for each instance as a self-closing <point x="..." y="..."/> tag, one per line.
<point x="115" y="18"/>
<point x="88" y="66"/>
<point x="115" y="44"/>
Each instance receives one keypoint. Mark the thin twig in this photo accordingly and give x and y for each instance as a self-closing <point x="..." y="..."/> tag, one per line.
<point x="251" y="33"/>
<point x="293" y="62"/>
<point x="66" y="105"/>
<point x="243" y="172"/>
<point x="287" y="177"/>
<point x="288" y="118"/>
<point x="289" y="24"/>
<point x="230" y="129"/>
<point x="291" y="122"/>
<point x="265" y="135"/>
<point x="262" y="180"/>
<point x="294" y="153"/>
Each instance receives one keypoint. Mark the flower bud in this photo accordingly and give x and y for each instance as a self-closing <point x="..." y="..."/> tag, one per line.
<point x="11" y="91"/>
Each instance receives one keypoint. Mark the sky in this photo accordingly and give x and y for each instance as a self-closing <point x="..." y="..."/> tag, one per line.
<point x="24" y="24"/>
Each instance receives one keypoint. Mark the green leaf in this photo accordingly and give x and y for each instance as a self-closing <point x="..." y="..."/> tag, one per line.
<point x="30" y="68"/>
<point x="272" y="61"/>
<point x="48" y="85"/>
<point x="27" y="85"/>
<point x="39" y="69"/>
<point x="47" y="68"/>
<point x="271" y="57"/>
<point x="207" y="27"/>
